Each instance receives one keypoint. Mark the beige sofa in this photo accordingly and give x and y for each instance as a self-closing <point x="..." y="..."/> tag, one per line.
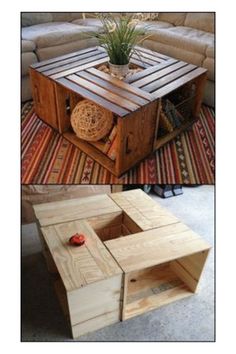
<point x="47" y="35"/>
<point x="186" y="36"/>
<point x="189" y="37"/>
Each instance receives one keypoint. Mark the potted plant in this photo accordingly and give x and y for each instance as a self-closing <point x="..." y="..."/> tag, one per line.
<point x="119" y="37"/>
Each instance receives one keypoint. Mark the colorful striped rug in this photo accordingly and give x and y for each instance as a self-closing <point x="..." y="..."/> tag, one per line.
<point x="48" y="158"/>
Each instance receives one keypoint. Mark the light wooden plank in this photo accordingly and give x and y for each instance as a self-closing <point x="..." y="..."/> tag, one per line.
<point x="144" y="211"/>
<point x="149" y="281"/>
<point x="98" y="90"/>
<point x="156" y="246"/>
<point x="184" y="275"/>
<point x="103" y="221"/>
<point x="95" y="299"/>
<point x="93" y="97"/>
<point x="95" y="323"/>
<point x="79" y="266"/>
<point x="74" y="209"/>
<point x="120" y="83"/>
<point x="130" y="224"/>
<point x="153" y="302"/>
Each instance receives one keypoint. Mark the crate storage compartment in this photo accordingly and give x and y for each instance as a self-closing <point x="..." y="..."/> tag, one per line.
<point x="179" y="115"/>
<point x="121" y="148"/>
<point x="160" y="285"/>
<point x="160" y="266"/>
<point x="114" y="226"/>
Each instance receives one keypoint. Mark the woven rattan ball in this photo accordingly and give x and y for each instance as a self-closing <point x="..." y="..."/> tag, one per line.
<point x="91" y="122"/>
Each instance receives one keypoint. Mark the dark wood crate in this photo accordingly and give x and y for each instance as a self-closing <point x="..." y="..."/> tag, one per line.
<point x="59" y="84"/>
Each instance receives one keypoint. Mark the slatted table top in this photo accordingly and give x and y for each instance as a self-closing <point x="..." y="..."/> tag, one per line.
<point x="78" y="72"/>
<point x="162" y="237"/>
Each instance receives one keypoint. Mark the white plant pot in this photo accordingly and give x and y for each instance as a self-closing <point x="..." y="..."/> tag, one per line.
<point x="119" y="70"/>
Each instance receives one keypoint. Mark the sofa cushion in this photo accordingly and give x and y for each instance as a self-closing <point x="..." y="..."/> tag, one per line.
<point x="57" y="50"/>
<point x="210" y="52"/>
<point x="65" y="16"/>
<point x="202" y="21"/>
<point x="184" y="38"/>
<point x="55" y="33"/>
<point x="33" y="18"/>
<point x="174" y="52"/>
<point x="175" y="18"/>
<point x="94" y="22"/>
<point x="26" y="60"/>
<point x="27" y="46"/>
<point x="153" y="25"/>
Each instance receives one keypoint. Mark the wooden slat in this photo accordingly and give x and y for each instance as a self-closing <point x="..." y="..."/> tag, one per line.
<point x="121" y="84"/>
<point x="74" y="209"/>
<point x="139" y="63"/>
<point x="79" y="266"/>
<point x="181" y="72"/>
<point x="67" y="61"/>
<point x="144" y="59"/>
<point x="112" y="88"/>
<point x="153" y="302"/>
<point x="152" y="78"/>
<point x="144" y="211"/>
<point x="76" y="69"/>
<point x="178" y="83"/>
<point x="91" y="306"/>
<point x="66" y="56"/>
<point x="75" y="64"/>
<point x="150" y="70"/>
<point x="119" y="101"/>
<point x="152" y="57"/>
<point x="156" y="54"/>
<point x="155" y="246"/>
<point x="184" y="275"/>
<point x="93" y="97"/>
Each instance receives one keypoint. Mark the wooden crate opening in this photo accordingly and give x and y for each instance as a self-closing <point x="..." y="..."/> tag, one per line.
<point x="133" y="69"/>
<point x="154" y="287"/>
<point x="115" y="227"/>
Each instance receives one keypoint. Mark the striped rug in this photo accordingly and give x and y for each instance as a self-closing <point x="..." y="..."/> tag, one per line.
<point x="48" y="158"/>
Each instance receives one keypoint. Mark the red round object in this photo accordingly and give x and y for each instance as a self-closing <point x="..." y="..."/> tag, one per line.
<point x="77" y="240"/>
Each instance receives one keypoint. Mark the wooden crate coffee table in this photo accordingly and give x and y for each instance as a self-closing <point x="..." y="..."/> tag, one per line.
<point x="58" y="84"/>
<point x="136" y="258"/>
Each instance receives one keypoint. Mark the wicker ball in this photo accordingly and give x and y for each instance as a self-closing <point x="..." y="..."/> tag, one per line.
<point x="90" y="121"/>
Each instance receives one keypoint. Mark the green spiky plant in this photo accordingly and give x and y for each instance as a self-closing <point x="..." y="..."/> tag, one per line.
<point x="119" y="37"/>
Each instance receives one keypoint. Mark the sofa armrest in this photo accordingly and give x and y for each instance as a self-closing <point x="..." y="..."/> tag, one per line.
<point x="27" y="46"/>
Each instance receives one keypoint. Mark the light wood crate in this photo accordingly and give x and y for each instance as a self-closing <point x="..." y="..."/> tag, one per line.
<point x="136" y="258"/>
